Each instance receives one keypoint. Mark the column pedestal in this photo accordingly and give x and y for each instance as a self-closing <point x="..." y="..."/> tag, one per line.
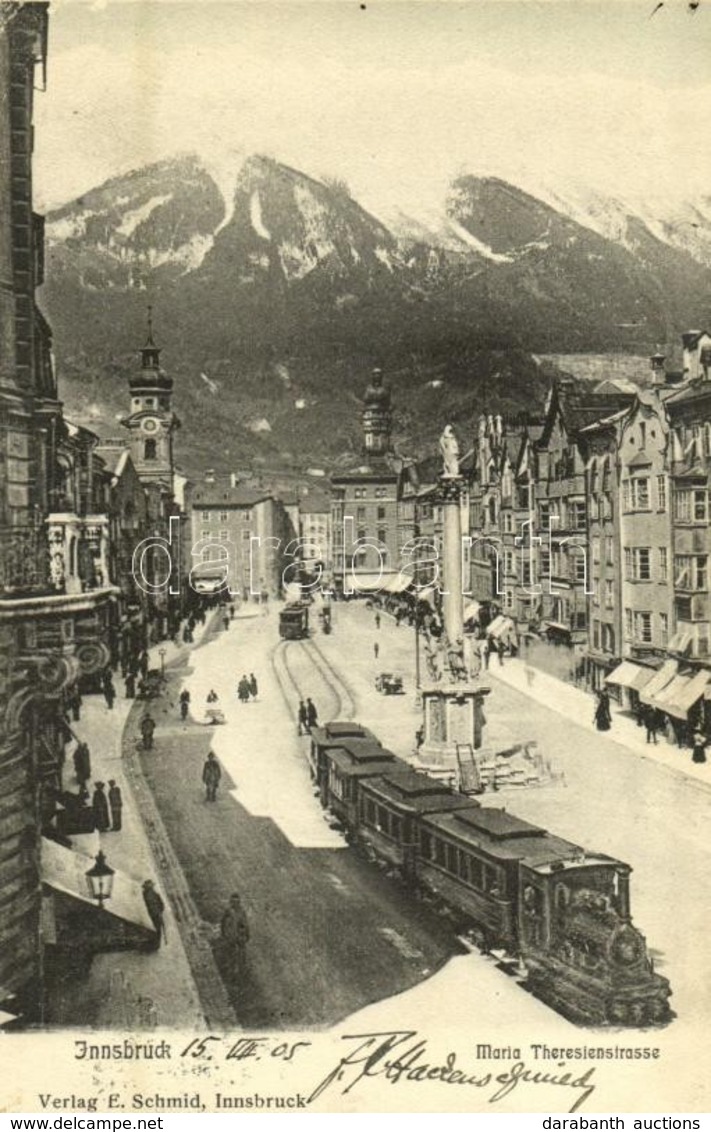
<point x="453" y="715"/>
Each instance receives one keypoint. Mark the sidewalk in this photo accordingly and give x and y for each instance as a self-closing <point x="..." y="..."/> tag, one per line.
<point x="127" y="989"/>
<point x="579" y="707"/>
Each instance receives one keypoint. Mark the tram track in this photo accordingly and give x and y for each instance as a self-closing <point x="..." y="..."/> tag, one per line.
<point x="294" y="687"/>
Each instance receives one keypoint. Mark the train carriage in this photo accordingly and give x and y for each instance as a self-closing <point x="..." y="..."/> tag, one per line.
<point x="471" y="859"/>
<point x="565" y="912"/>
<point x="389" y="808"/>
<point x="330" y="736"/>
<point x="345" y="768"/>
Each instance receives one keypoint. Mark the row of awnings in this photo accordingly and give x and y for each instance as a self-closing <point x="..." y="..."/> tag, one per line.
<point x="666" y="688"/>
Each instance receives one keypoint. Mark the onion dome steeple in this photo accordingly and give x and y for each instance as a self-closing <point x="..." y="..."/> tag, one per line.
<point x="150" y="376"/>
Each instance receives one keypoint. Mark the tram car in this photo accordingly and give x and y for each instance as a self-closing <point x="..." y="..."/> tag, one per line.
<point x="563" y="911"/>
<point x="294" y="621"/>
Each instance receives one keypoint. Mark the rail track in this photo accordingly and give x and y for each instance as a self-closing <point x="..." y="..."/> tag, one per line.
<point x="295" y="664"/>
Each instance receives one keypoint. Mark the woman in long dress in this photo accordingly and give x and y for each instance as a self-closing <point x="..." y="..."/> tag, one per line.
<point x="603" y="718"/>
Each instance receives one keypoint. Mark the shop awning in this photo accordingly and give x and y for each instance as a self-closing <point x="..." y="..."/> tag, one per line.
<point x="427" y="594"/>
<point x="375" y="583"/>
<point x="681" y="693"/>
<point x="556" y="628"/>
<point x="472" y="610"/>
<point x="501" y="627"/>
<point x="64" y="871"/>
<point x="660" y="680"/>
<point x="629" y="675"/>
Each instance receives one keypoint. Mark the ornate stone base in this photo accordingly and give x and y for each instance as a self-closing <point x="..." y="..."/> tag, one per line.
<point x="453" y="716"/>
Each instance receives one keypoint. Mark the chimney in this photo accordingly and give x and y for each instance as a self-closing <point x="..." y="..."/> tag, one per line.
<point x="658" y="375"/>
<point x="234" y="479"/>
<point x="690" y="343"/>
<point x="209" y="475"/>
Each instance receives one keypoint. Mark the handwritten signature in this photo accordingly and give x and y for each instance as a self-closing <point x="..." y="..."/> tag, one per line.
<point x="401" y="1055"/>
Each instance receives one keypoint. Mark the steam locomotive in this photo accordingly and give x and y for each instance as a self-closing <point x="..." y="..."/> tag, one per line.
<point x="563" y="911"/>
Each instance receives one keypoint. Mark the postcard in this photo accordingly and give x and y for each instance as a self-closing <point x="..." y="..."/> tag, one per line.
<point x="355" y="607"/>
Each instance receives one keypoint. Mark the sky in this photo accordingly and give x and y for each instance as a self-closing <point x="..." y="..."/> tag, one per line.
<point x="395" y="98"/>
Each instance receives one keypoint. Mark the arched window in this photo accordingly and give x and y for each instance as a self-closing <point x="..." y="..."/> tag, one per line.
<point x="150" y="449"/>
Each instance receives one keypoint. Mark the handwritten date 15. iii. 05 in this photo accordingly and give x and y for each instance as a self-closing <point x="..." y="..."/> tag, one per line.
<point x="215" y="1048"/>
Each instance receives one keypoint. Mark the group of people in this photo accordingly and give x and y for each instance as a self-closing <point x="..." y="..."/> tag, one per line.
<point x="84" y="812"/>
<point x="247" y="688"/>
<point x="307" y="716"/>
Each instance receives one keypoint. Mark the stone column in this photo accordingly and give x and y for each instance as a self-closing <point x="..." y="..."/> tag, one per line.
<point x="452" y="590"/>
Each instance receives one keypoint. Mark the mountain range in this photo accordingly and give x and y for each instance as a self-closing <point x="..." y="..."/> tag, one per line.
<point x="275" y="293"/>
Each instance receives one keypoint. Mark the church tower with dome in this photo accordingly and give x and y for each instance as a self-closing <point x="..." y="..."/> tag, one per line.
<point x="377" y="417"/>
<point x="152" y="423"/>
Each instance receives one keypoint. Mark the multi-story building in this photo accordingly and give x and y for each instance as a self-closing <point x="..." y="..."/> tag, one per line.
<point x="645" y="530"/>
<point x="367" y="521"/>
<point x="239" y="535"/>
<point x="315" y="534"/>
<point x="53" y="627"/>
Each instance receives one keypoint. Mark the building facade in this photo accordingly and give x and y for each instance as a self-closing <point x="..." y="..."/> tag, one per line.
<point x="53" y="624"/>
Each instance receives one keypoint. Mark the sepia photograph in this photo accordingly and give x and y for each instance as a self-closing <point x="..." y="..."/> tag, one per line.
<point x="355" y="545"/>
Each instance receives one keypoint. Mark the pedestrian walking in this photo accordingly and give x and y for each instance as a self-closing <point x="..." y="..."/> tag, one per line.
<point x="115" y="805"/>
<point x="156" y="910"/>
<point x="377" y="620"/>
<point x="311" y="713"/>
<point x="603" y="716"/>
<point x="232" y="612"/>
<point x="212" y="696"/>
<point x="109" y="692"/>
<point x="74" y="703"/>
<point x="699" y="748"/>
<point x="243" y="690"/>
<point x="143" y="664"/>
<point x="100" y="806"/>
<point x="649" y="718"/>
<point x="376" y="650"/>
<point x="82" y="763"/>
<point x="303" y="718"/>
<point x="184" y="700"/>
<point x="234" y="930"/>
<point x="211" y="775"/>
<point x="484" y="650"/>
<point x="130" y="685"/>
<point x="253" y="686"/>
<point x="226" y="622"/>
<point x="148" y="726"/>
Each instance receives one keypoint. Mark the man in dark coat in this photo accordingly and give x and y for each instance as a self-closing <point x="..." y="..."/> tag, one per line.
<point x="100" y="806"/>
<point x="311" y="713"/>
<point x="211" y="775"/>
<point x="130" y="686"/>
<point x="303" y="717"/>
<point x="74" y="702"/>
<point x="184" y="704"/>
<point x="243" y="690"/>
<point x="253" y="686"/>
<point x="148" y="726"/>
<point x="109" y="690"/>
<point x="82" y="763"/>
<point x="116" y="804"/>
<point x="143" y="664"/>
<point x="156" y="910"/>
<point x="234" y="930"/>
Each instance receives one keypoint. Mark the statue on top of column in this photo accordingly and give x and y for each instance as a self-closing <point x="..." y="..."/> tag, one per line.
<point x="450" y="452"/>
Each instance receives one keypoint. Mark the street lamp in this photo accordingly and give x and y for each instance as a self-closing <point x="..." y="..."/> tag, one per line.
<point x="161" y="654"/>
<point x="100" y="878"/>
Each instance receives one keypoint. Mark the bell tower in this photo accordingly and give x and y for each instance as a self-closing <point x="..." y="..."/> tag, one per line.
<point x="152" y="422"/>
<point x="377" y="417"/>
